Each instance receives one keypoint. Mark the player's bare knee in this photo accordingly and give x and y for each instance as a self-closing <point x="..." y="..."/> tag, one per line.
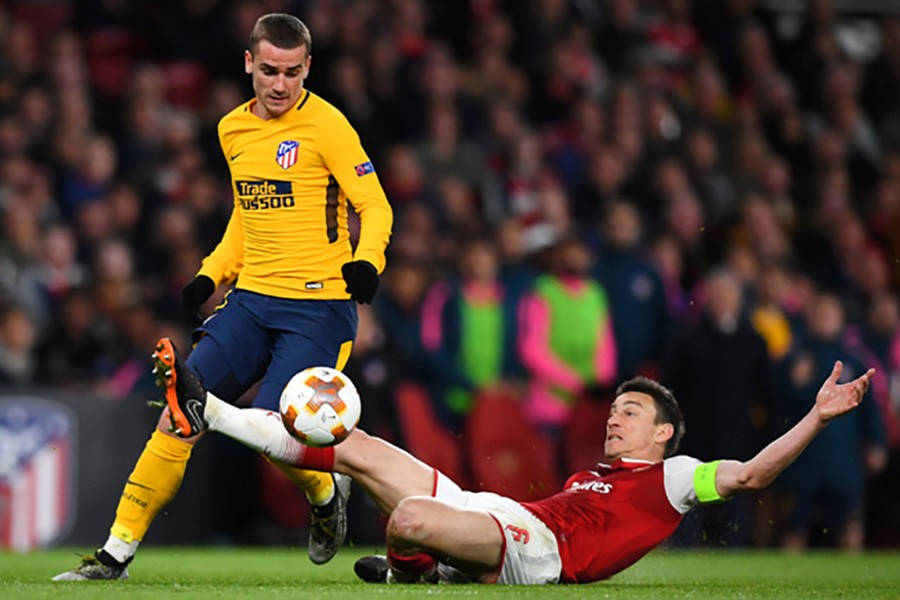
<point x="409" y="522"/>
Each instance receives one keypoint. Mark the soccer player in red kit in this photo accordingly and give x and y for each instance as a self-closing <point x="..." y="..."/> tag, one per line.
<point x="602" y="522"/>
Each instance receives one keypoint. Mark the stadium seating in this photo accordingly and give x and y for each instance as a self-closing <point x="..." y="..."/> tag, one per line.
<point x="507" y="454"/>
<point x="584" y="434"/>
<point x="424" y="436"/>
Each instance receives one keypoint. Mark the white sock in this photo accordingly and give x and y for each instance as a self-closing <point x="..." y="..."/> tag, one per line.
<point x="261" y="430"/>
<point x="119" y="549"/>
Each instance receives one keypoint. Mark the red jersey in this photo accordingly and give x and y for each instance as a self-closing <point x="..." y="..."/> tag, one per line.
<point x="605" y="520"/>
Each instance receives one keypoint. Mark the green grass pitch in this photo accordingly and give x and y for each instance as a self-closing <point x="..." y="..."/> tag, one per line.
<point x="187" y="573"/>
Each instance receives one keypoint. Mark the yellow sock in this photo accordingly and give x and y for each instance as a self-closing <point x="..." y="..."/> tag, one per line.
<point x="151" y="486"/>
<point x="318" y="486"/>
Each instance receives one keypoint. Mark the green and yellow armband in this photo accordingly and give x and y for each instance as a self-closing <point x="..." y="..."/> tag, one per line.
<point x="705" y="483"/>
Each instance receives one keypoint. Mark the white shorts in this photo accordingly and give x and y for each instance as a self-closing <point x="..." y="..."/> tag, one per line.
<point x="530" y="553"/>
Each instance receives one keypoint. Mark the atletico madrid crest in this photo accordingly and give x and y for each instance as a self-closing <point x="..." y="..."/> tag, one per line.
<point x="37" y="448"/>
<point x="287" y="153"/>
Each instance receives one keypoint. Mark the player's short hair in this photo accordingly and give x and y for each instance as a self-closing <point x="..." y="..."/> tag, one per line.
<point x="667" y="408"/>
<point x="282" y="31"/>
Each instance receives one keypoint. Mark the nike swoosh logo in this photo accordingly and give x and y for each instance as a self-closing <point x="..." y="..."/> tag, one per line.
<point x="140" y="485"/>
<point x="234" y="156"/>
<point x="195" y="407"/>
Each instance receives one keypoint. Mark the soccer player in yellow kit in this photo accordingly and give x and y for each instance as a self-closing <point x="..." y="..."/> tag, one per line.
<point x="295" y="162"/>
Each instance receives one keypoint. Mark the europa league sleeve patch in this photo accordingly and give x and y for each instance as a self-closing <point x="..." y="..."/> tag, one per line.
<point x="364" y="169"/>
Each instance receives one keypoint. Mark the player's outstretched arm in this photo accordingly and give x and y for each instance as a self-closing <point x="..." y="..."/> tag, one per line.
<point x="833" y="400"/>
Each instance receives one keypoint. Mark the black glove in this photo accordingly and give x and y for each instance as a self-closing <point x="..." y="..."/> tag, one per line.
<point x="362" y="280"/>
<point x="194" y="294"/>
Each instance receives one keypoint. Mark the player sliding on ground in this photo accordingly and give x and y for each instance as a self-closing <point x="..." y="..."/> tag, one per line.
<point x="601" y="523"/>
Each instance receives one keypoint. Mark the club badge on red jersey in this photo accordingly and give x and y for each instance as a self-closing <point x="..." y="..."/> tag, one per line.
<point x="287" y="154"/>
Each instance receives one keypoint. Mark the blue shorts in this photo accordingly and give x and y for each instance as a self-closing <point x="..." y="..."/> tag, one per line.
<point x="253" y="336"/>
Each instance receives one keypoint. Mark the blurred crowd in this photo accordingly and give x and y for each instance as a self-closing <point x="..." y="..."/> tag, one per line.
<point x="706" y="192"/>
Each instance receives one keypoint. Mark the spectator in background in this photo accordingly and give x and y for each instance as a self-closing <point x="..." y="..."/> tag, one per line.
<point x="418" y="237"/>
<point x="721" y="350"/>
<point x="750" y="153"/>
<point x="777" y="189"/>
<point x="662" y="126"/>
<point x="571" y="70"/>
<point x="674" y="37"/>
<point x="18" y="359"/>
<point x="438" y="82"/>
<point x="493" y="77"/>
<point x="36" y="117"/>
<point x="469" y="332"/>
<point x="761" y="230"/>
<point x="404" y="179"/>
<point x="566" y="340"/>
<point x="173" y="227"/>
<point x="876" y="340"/>
<point x="711" y="106"/>
<point x="446" y="152"/>
<point x="570" y="143"/>
<point x="353" y="97"/>
<point x="769" y="315"/>
<point x="881" y="83"/>
<point x="621" y="34"/>
<point x="517" y="272"/>
<point x="757" y="63"/>
<point x="665" y="257"/>
<point x="79" y="341"/>
<point x="398" y="308"/>
<point x="20" y="255"/>
<point x="883" y="212"/>
<point x="606" y="173"/>
<point x="23" y="180"/>
<point x="457" y="214"/>
<point x="842" y="113"/>
<point x="825" y="486"/>
<point x="684" y="222"/>
<point x="128" y="375"/>
<point x="93" y="225"/>
<point x="375" y="368"/>
<point x="520" y="186"/>
<point x="703" y="163"/>
<point x="128" y="213"/>
<point x="637" y="297"/>
<point x="91" y="177"/>
<point x="881" y="333"/>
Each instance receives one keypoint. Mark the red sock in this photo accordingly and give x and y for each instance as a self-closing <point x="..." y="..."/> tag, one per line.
<point x="317" y="459"/>
<point x="413" y="565"/>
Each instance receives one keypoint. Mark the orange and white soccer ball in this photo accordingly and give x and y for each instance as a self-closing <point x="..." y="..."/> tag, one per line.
<point x="320" y="406"/>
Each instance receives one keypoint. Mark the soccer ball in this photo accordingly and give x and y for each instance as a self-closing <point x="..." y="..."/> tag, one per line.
<point x="320" y="406"/>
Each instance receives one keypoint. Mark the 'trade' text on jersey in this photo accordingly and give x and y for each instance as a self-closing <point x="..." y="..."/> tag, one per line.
<point x="264" y="194"/>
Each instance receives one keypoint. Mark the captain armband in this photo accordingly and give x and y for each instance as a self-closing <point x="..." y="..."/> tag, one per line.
<point x="705" y="482"/>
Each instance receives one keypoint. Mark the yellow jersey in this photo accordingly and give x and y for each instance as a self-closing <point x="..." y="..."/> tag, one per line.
<point x="292" y="177"/>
